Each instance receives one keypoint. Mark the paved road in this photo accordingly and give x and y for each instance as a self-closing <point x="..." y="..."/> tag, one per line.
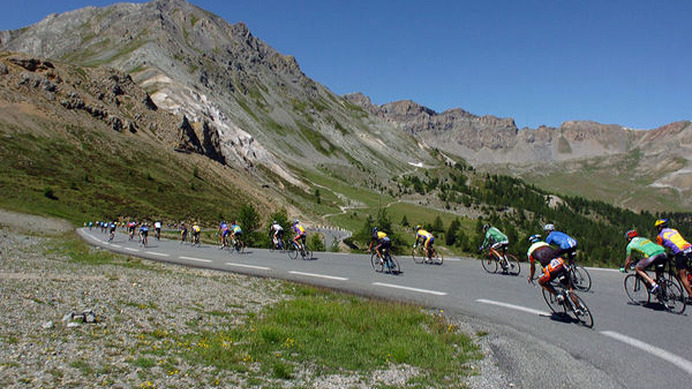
<point x="629" y="346"/>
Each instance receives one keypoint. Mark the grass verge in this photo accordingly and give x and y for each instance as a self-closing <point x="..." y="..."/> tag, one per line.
<point x="333" y="333"/>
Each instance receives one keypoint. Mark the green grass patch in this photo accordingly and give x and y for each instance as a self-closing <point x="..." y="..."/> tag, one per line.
<point x="338" y="332"/>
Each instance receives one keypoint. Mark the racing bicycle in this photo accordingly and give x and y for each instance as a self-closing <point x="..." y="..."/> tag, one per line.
<point x="571" y="305"/>
<point x="581" y="279"/>
<point x="419" y="256"/>
<point x="670" y="292"/>
<point x="278" y="245"/>
<point x="237" y="245"/>
<point x="295" y="249"/>
<point x="387" y="263"/>
<point x="501" y="260"/>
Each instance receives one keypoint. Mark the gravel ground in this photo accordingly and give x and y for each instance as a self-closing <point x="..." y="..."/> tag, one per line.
<point x="40" y="290"/>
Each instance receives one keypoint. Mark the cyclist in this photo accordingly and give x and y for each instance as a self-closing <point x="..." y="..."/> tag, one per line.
<point x="650" y="253"/>
<point x="428" y="240"/>
<point x="681" y="249"/>
<point x="236" y="232"/>
<point x="195" y="232"/>
<point x="276" y="233"/>
<point x="383" y="243"/>
<point x="157" y="228"/>
<point x="223" y="231"/>
<point x="495" y="239"/>
<point x="551" y="263"/>
<point x="567" y="245"/>
<point x="131" y="226"/>
<point x="111" y="229"/>
<point x="143" y="233"/>
<point x="183" y="232"/>
<point x="301" y="234"/>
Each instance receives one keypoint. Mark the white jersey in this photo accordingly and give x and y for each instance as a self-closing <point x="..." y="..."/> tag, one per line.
<point x="157" y="225"/>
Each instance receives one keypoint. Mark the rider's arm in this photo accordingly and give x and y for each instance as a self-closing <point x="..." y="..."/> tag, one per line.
<point x="532" y="269"/>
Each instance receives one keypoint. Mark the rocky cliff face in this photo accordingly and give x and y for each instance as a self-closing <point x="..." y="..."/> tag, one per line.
<point x="488" y="139"/>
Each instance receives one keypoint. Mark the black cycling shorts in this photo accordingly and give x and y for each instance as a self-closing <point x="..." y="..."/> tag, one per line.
<point x="683" y="261"/>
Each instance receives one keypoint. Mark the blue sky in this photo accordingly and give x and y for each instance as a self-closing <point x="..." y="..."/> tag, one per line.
<point x="541" y="62"/>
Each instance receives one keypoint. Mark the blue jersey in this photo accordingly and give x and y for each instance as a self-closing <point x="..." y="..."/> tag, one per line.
<point x="560" y="239"/>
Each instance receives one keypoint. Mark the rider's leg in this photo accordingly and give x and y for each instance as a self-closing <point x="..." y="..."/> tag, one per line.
<point x="682" y="273"/>
<point x="544" y="282"/>
<point x="681" y="263"/>
<point x="643" y="264"/>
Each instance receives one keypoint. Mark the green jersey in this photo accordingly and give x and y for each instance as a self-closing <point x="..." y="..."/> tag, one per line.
<point x="644" y="247"/>
<point x="493" y="235"/>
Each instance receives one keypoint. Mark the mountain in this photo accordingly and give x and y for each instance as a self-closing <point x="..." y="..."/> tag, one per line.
<point x="266" y="112"/>
<point x="253" y="111"/>
<point x="88" y="142"/>
<point x="632" y="168"/>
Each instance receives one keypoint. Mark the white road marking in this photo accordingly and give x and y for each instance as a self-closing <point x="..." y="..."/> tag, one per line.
<point x="116" y="245"/>
<point x="196" y="259"/>
<point x="158" y="254"/>
<point x="515" y="307"/>
<point x="130" y="249"/>
<point x="247" y="266"/>
<point x="410" y="289"/>
<point x="680" y="362"/>
<point x="603" y="269"/>
<point x="319" y="276"/>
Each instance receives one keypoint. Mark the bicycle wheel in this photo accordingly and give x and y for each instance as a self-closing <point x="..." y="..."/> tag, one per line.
<point x="437" y="258"/>
<point x="418" y="255"/>
<point x="581" y="311"/>
<point x="672" y="297"/>
<point x="552" y="302"/>
<point x="580" y="278"/>
<point x="489" y="264"/>
<point x="513" y="266"/>
<point x="376" y="263"/>
<point x="305" y="253"/>
<point x="393" y="265"/>
<point x="637" y="290"/>
<point x="292" y="251"/>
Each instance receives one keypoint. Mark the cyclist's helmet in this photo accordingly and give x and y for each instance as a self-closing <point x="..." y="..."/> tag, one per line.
<point x="182" y="223"/>
<point x="661" y="223"/>
<point x="295" y="221"/>
<point x="549" y="227"/>
<point x="374" y="231"/>
<point x="630" y="234"/>
<point x="486" y="227"/>
<point x="534" y="238"/>
<point x="418" y="227"/>
<point x="275" y="222"/>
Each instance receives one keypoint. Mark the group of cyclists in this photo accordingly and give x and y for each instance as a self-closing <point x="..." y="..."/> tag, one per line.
<point x="194" y="233"/>
<point x="276" y="234"/>
<point x="554" y="253"/>
<point x="558" y="251"/>
<point x="380" y="242"/>
<point x="649" y="253"/>
<point x="230" y="235"/>
<point x="132" y="227"/>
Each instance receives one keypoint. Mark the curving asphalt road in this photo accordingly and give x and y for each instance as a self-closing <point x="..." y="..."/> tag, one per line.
<point x="629" y="346"/>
